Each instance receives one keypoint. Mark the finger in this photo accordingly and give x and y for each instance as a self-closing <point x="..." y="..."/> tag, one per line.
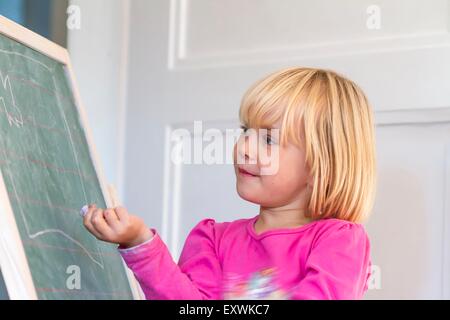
<point x="88" y="224"/>
<point x="87" y="217"/>
<point x="122" y="214"/>
<point x="111" y="218"/>
<point x="100" y="225"/>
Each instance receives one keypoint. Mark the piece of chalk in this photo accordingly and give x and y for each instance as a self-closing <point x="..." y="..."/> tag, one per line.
<point x="84" y="211"/>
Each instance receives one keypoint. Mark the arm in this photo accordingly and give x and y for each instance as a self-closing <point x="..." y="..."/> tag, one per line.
<point x="338" y="265"/>
<point x="196" y="276"/>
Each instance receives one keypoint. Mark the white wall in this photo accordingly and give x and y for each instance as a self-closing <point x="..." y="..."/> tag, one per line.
<point x="99" y="55"/>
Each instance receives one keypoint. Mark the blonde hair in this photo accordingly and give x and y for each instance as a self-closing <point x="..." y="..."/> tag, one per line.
<point x="333" y="116"/>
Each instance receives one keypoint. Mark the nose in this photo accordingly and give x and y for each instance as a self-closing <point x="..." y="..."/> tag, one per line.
<point x="247" y="148"/>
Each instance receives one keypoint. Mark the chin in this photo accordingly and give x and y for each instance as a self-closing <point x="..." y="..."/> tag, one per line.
<point x="249" y="196"/>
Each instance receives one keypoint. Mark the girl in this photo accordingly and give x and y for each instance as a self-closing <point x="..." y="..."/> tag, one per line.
<point x="307" y="241"/>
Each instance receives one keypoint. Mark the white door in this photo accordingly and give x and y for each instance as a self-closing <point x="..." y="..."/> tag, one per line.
<point x="193" y="60"/>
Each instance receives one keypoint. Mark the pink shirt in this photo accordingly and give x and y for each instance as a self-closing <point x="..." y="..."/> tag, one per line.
<point x="325" y="259"/>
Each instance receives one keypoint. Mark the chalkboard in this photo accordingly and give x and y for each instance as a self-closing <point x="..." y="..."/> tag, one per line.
<point x="49" y="173"/>
<point x="3" y="291"/>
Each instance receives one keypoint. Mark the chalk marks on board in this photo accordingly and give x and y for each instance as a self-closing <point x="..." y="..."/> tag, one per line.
<point x="11" y="110"/>
<point x="79" y="244"/>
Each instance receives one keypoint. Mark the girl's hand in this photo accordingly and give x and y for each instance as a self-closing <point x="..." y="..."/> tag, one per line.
<point x="116" y="226"/>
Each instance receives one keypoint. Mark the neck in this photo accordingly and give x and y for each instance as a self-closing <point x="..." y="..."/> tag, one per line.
<point x="283" y="217"/>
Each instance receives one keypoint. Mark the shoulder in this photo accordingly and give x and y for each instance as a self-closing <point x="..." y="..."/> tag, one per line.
<point x="215" y="229"/>
<point x="340" y="232"/>
<point x="338" y="263"/>
<point x="207" y="235"/>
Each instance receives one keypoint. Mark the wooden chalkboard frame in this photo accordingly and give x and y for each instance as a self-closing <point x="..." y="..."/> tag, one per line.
<point x="13" y="261"/>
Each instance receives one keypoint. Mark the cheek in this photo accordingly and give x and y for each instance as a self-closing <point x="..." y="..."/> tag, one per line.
<point x="279" y="183"/>
<point x="290" y="177"/>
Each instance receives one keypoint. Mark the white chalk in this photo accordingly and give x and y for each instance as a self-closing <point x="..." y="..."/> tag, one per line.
<point x="84" y="211"/>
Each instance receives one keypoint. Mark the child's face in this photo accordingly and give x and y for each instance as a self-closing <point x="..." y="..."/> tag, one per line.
<point x="286" y="186"/>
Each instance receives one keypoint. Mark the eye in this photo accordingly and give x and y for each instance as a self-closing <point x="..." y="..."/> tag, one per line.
<point x="244" y="129"/>
<point x="269" y="140"/>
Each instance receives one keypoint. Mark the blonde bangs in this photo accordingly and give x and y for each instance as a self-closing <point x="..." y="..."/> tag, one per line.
<point x="262" y="106"/>
<point x="274" y="99"/>
<point x="330" y="117"/>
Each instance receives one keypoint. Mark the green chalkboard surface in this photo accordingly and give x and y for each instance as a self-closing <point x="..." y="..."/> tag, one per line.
<point x="3" y="291"/>
<point x="49" y="175"/>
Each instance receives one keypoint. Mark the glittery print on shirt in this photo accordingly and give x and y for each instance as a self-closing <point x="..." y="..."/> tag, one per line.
<point x="257" y="285"/>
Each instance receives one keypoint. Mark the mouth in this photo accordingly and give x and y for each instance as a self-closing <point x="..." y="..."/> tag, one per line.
<point x="245" y="173"/>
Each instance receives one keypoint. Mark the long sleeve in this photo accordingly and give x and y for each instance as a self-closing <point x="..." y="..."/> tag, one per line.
<point x="197" y="275"/>
<point x="338" y="265"/>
